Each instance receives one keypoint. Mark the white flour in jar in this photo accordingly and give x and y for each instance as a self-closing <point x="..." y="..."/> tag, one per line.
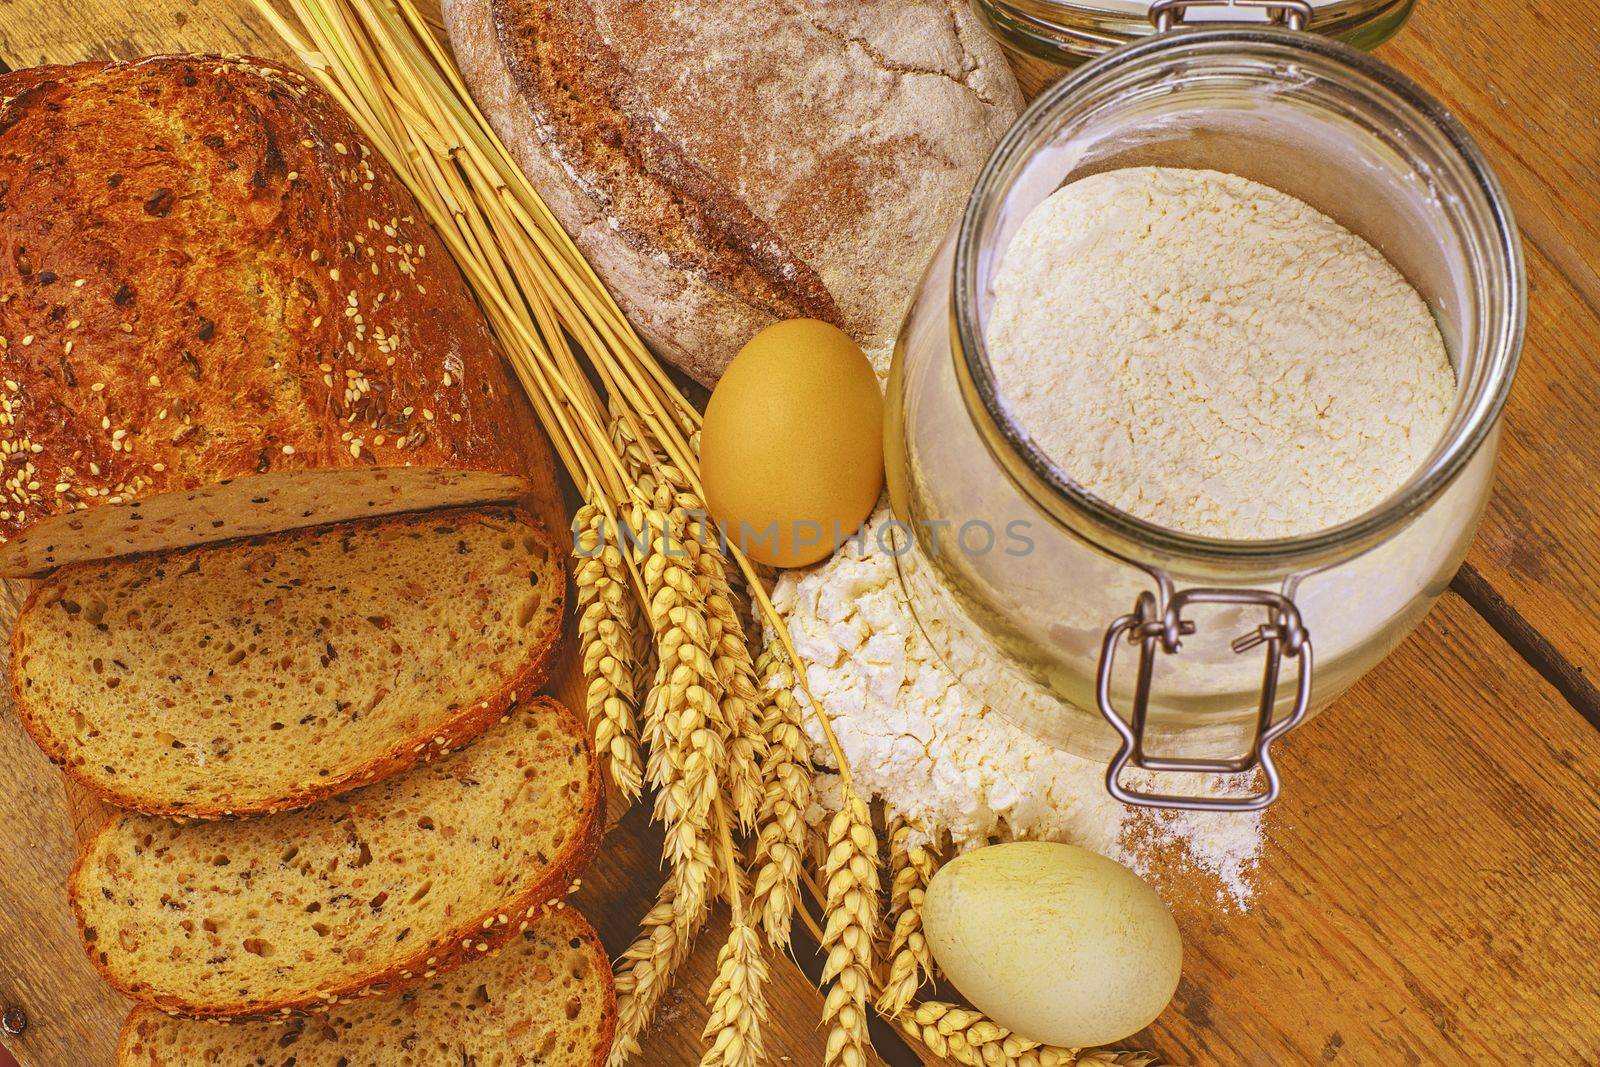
<point x="1214" y="356"/>
<point x="1201" y="351"/>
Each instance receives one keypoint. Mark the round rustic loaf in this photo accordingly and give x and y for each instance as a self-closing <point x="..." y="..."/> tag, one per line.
<point x="725" y="168"/>
<point x="221" y="314"/>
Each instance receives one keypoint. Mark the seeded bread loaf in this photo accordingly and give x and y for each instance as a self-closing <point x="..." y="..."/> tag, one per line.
<point x="265" y="674"/>
<point x="372" y="891"/>
<point x="725" y="170"/>
<point x="221" y="314"/>
<point x="546" y="999"/>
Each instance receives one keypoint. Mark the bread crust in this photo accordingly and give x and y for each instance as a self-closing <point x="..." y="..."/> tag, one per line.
<point x="723" y="174"/>
<point x="403" y="754"/>
<point x="242" y="286"/>
<point x="447" y="952"/>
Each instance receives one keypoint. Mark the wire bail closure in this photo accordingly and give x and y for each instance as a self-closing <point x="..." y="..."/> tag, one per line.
<point x="1156" y="631"/>
<point x="1295" y="14"/>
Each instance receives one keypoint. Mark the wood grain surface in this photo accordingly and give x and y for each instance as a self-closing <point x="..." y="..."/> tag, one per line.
<point x="1429" y="893"/>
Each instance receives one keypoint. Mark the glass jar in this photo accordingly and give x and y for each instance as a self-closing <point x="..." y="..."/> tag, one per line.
<point x="1118" y="639"/>
<point x="1069" y="32"/>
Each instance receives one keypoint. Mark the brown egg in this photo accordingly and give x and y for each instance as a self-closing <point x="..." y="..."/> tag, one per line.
<point x="791" y="453"/>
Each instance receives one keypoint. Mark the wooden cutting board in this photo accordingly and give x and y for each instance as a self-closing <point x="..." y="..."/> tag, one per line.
<point x="1428" y="894"/>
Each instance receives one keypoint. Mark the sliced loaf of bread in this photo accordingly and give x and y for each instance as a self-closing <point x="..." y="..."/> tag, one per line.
<point x="546" y="999"/>
<point x="265" y="674"/>
<point x="227" y="317"/>
<point x="364" y="893"/>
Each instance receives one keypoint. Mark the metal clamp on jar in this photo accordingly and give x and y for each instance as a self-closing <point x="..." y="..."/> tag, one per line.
<point x="1036" y="633"/>
<point x="1068" y="32"/>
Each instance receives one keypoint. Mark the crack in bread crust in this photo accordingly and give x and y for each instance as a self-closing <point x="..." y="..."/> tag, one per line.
<point x="597" y="127"/>
<point x="850" y="134"/>
<point x="969" y="65"/>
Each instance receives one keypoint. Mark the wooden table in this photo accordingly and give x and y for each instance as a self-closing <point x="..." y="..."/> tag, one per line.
<point x="1430" y="892"/>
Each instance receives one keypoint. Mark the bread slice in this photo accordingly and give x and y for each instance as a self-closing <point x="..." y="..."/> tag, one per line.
<point x="372" y="891"/>
<point x="262" y="675"/>
<point x="546" y="999"/>
<point x="243" y="325"/>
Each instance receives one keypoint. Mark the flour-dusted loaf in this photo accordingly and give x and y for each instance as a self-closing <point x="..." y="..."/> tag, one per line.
<point x="221" y="314"/>
<point x="264" y="674"/>
<point x="545" y="999"/>
<point x="375" y="890"/>
<point x="724" y="168"/>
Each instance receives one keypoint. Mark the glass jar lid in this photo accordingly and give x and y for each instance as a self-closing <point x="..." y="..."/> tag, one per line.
<point x="1068" y="32"/>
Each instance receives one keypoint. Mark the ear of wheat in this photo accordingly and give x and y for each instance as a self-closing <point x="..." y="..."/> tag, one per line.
<point x="972" y="1039"/>
<point x="738" y="997"/>
<point x="686" y="748"/>
<point x="644" y="970"/>
<point x="665" y="653"/>
<point x="606" y="621"/>
<point x="851" y="878"/>
<point x="786" y="794"/>
<point x="910" y="959"/>
<point x="730" y="657"/>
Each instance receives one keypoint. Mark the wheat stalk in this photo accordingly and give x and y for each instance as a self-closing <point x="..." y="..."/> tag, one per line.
<point x="584" y="368"/>
<point x="1117" y="1059"/>
<point x="781" y="823"/>
<point x="737" y="997"/>
<point x="686" y="751"/>
<point x="910" y="959"/>
<point x="851" y="875"/>
<point x="730" y="656"/>
<point x="738" y="1007"/>
<point x="644" y="970"/>
<point x="730" y="653"/>
<point x="606" y="619"/>
<point x="973" y="1039"/>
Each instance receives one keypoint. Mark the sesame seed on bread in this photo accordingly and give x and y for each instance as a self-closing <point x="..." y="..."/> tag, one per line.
<point x="546" y="998"/>
<point x="265" y="674"/>
<point x="362" y="894"/>
<point x="243" y="324"/>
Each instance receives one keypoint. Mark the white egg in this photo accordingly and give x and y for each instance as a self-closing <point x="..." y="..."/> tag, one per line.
<point x="1054" y="942"/>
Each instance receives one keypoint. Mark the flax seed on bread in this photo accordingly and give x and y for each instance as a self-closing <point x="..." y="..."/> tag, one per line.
<point x="265" y="674"/>
<point x="359" y="895"/>
<point x="545" y="998"/>
<point x="224" y="316"/>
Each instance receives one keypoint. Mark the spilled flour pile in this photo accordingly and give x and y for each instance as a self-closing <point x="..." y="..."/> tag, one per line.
<point x="936" y="755"/>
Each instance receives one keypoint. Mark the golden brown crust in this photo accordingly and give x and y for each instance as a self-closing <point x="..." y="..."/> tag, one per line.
<point x="608" y="1036"/>
<point x="242" y="286"/>
<point x="446" y="952"/>
<point x="125" y="1033"/>
<point x="404" y="753"/>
